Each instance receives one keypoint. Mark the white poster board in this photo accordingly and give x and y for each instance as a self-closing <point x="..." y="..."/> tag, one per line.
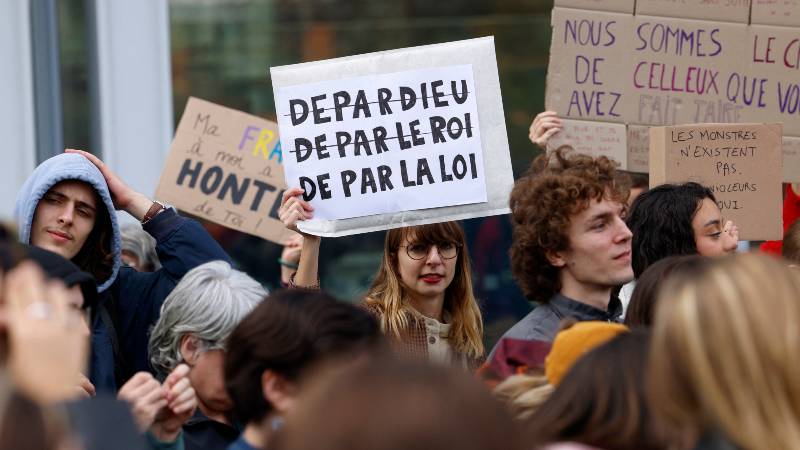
<point x="374" y="158"/>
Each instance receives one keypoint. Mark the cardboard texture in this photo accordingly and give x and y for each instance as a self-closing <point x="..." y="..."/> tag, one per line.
<point x="772" y="78"/>
<point x="638" y="149"/>
<point x="620" y="6"/>
<point x="593" y="138"/>
<point x="480" y="54"/>
<point x="590" y="58"/>
<point x="680" y="71"/>
<point x="670" y="71"/>
<point x="791" y="160"/>
<point x="740" y="163"/>
<point x="224" y="166"/>
<point x="775" y="12"/>
<point x="714" y="10"/>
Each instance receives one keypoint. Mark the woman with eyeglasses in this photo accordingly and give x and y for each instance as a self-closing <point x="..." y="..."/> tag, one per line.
<point x="422" y="295"/>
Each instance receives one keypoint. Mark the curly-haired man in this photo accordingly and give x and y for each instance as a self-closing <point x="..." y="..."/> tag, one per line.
<point x="571" y="246"/>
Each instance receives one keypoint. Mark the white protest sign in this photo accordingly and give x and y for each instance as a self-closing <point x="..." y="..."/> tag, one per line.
<point x="397" y="138"/>
<point x="384" y="143"/>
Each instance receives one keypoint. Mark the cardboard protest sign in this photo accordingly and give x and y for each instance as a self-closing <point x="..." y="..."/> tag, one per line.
<point x="593" y="138"/>
<point x="225" y="166"/>
<point x="791" y="160"/>
<point x="682" y="70"/>
<point x="638" y="149"/>
<point x="714" y="10"/>
<point x="668" y="71"/>
<point x="589" y="56"/>
<point x="395" y="138"/>
<point x="740" y="163"/>
<point x="775" y="12"/>
<point x="771" y="84"/>
<point x="620" y="6"/>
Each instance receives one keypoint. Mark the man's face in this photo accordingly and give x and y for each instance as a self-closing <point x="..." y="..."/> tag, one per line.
<point x="64" y="218"/>
<point x="599" y="254"/>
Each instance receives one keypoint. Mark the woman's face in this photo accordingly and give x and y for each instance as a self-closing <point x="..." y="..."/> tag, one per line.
<point x="208" y="379"/>
<point x="710" y="236"/>
<point x="431" y="274"/>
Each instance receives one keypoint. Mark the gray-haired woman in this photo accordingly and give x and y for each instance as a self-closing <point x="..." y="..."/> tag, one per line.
<point x="196" y="319"/>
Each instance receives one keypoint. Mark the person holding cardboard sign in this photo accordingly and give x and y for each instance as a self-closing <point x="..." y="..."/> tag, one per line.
<point x="571" y="246"/>
<point x="422" y="295"/>
<point x="547" y="124"/>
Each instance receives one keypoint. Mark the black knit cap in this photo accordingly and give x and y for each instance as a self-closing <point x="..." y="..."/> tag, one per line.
<point x="54" y="266"/>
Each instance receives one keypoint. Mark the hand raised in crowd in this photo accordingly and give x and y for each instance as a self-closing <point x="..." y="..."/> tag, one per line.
<point x="730" y="233"/>
<point x="291" y="248"/>
<point x="294" y="208"/>
<point x="290" y="256"/>
<point x="85" y="387"/>
<point x="146" y="398"/>
<point x="544" y="126"/>
<point x="161" y="408"/>
<point x="181" y="403"/>
<point x="125" y="198"/>
<point x="47" y="348"/>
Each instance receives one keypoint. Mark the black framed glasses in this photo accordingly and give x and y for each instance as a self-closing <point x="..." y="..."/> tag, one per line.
<point x="418" y="251"/>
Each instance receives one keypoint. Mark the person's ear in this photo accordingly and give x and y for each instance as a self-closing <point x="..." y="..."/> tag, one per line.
<point x="190" y="349"/>
<point x="556" y="259"/>
<point x="278" y="391"/>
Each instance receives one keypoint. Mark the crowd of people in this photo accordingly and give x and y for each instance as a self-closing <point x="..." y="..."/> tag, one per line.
<point x="649" y="330"/>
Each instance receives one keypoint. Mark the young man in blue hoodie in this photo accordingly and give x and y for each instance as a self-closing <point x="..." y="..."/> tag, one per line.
<point x="67" y="206"/>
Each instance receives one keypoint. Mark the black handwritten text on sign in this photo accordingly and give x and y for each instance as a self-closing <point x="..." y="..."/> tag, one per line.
<point x="384" y="143"/>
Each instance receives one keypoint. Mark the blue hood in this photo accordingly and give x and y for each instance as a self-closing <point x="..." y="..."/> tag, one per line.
<point x="66" y="166"/>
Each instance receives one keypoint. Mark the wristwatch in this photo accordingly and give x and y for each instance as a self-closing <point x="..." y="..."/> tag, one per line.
<point x="155" y="208"/>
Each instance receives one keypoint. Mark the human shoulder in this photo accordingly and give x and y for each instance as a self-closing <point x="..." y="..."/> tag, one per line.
<point x="540" y="324"/>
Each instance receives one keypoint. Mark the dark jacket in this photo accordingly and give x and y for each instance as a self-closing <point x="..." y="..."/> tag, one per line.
<point x="129" y="301"/>
<point x="541" y="324"/>
<point x="202" y="433"/>
<point x="134" y="300"/>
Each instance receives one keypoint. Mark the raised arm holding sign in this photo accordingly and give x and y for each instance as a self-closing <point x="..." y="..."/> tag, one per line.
<point x="407" y="140"/>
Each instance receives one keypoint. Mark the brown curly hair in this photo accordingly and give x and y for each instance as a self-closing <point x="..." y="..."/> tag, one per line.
<point x="556" y="187"/>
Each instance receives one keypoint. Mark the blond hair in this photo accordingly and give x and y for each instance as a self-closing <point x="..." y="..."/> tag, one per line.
<point x="524" y="394"/>
<point x="389" y="296"/>
<point x="724" y="354"/>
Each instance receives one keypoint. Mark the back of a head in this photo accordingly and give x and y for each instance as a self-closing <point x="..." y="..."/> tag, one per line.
<point x="791" y="243"/>
<point x="661" y="222"/>
<point x="208" y="303"/>
<point x="725" y="342"/>
<point x="642" y="307"/>
<point x="543" y="201"/>
<point x="399" y="405"/>
<point x="601" y="401"/>
<point x="290" y="333"/>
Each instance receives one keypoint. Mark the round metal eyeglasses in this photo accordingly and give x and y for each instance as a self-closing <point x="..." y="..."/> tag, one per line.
<point x="447" y="250"/>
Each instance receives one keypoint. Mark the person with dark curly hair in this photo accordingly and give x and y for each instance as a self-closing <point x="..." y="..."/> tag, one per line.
<point x="571" y="246"/>
<point x="678" y="219"/>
